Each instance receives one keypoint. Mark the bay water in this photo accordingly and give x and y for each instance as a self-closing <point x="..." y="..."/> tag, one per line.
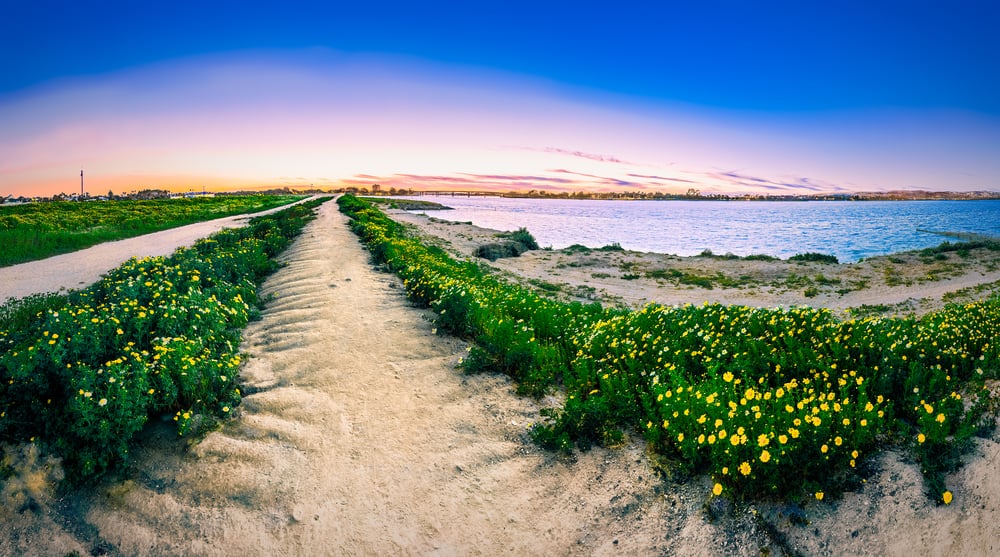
<point x="849" y="230"/>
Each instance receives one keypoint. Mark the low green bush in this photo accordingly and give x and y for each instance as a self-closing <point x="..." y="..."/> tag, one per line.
<point x="523" y="237"/>
<point x="497" y="250"/>
<point x="815" y="257"/>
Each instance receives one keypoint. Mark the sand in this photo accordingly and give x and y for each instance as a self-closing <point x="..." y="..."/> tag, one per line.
<point x="358" y="436"/>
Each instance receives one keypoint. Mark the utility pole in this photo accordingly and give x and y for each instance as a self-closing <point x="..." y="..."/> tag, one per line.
<point x="81" y="182"/>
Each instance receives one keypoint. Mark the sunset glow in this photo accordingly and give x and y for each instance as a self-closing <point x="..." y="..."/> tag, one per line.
<point x="326" y="118"/>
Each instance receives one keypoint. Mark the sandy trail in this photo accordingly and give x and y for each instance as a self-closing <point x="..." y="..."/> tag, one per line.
<point x="363" y="439"/>
<point x="78" y="269"/>
<point x="359" y="437"/>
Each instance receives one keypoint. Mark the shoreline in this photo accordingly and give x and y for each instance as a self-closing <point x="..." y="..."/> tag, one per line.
<point x="851" y="232"/>
<point x="917" y="195"/>
<point x="903" y="283"/>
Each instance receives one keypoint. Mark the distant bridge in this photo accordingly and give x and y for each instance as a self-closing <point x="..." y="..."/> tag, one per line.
<point x="457" y="193"/>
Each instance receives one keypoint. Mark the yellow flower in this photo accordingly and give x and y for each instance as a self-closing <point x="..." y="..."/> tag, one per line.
<point x="819" y="495"/>
<point x="940" y="418"/>
<point x="824" y="449"/>
<point x="727" y="376"/>
<point x="838" y="441"/>
<point x="717" y="489"/>
<point x="946" y="497"/>
<point x="765" y="456"/>
<point x="921" y="438"/>
<point x="102" y="402"/>
<point x="745" y="468"/>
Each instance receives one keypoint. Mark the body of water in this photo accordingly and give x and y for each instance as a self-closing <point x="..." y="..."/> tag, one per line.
<point x="850" y="230"/>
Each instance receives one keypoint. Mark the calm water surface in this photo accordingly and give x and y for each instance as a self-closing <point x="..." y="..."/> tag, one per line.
<point x="851" y="230"/>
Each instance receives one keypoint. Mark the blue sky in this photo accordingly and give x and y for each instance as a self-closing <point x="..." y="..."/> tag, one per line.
<point x="784" y="71"/>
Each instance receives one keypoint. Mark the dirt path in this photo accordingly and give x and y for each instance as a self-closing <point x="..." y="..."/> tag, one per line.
<point x="363" y="439"/>
<point x="359" y="437"/>
<point x="78" y="269"/>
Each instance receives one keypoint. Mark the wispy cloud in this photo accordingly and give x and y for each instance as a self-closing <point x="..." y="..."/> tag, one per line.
<point x="661" y="178"/>
<point x="614" y="159"/>
<point x="606" y="180"/>
<point x="518" y="178"/>
<point x="794" y="185"/>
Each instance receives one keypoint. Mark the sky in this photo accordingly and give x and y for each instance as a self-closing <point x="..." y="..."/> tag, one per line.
<point x="719" y="95"/>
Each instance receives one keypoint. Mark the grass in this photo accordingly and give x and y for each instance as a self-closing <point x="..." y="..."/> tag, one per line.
<point x="38" y="230"/>
<point x="688" y="278"/>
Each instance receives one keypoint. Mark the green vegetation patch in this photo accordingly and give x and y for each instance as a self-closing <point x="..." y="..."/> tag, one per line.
<point x="514" y="244"/>
<point x="39" y="230"/>
<point x="815" y="257"/>
<point x="961" y="247"/>
<point x="408" y="204"/>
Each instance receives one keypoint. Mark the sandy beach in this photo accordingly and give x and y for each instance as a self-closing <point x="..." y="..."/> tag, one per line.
<point x="358" y="435"/>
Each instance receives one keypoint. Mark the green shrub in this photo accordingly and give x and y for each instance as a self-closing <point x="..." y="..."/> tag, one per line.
<point x="497" y="250"/>
<point x="523" y="237"/>
<point x="816" y="257"/>
<point x="577" y="248"/>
